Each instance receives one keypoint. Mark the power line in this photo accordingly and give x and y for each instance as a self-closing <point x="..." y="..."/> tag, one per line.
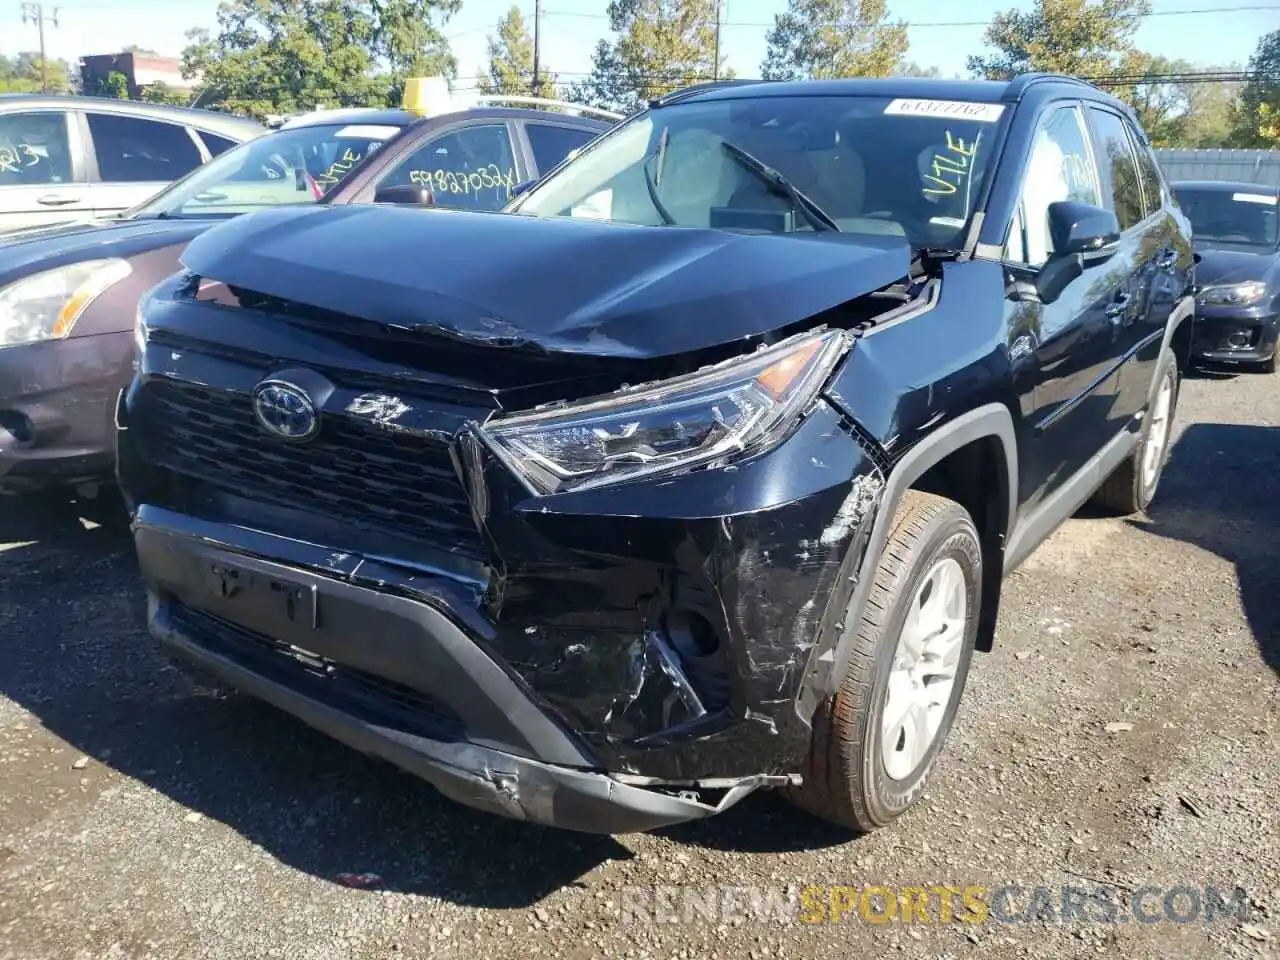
<point x="34" y="13"/>
<point x="961" y="23"/>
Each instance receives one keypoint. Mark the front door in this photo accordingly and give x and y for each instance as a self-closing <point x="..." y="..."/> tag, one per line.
<point x="1066" y="349"/>
<point x="41" y="170"/>
<point x="1146" y="234"/>
<point x="470" y="166"/>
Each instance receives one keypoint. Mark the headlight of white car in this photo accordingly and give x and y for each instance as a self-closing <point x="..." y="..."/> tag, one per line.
<point x="46" y="305"/>
<point x="1234" y="294"/>
<point x="742" y="404"/>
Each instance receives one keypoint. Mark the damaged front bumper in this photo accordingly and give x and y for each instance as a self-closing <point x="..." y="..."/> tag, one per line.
<point x="196" y="585"/>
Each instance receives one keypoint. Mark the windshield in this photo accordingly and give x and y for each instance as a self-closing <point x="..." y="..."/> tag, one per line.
<point x="1223" y="216"/>
<point x="911" y="168"/>
<point x="298" y="165"/>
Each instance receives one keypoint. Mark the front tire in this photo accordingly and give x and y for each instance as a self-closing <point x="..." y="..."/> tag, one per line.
<point x="1132" y="487"/>
<point x="876" y="741"/>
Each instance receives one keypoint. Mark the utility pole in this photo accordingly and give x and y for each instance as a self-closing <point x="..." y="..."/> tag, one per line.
<point x="34" y="13"/>
<point x="715" y="67"/>
<point x="537" y="48"/>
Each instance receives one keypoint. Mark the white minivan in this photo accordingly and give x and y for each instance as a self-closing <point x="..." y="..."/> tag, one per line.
<point x="80" y="158"/>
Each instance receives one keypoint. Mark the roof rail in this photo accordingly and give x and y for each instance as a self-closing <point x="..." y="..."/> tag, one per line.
<point x="679" y="94"/>
<point x="579" y="108"/>
<point x="1019" y="84"/>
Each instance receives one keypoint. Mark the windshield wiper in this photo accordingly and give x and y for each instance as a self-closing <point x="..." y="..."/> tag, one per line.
<point x="818" y="218"/>
<point x="651" y="180"/>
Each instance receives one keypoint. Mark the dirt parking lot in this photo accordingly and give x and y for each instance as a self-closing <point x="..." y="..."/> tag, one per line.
<point x="1122" y="737"/>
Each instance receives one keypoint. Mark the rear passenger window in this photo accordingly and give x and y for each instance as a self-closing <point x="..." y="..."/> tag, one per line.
<point x="1059" y="169"/>
<point x="1148" y="174"/>
<point x="472" y="168"/>
<point x="1115" y="158"/>
<point x="215" y="143"/>
<point x="131" y="149"/>
<point x="551" y="143"/>
<point x="34" y="149"/>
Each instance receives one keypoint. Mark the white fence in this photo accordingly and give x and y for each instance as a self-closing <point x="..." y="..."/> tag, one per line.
<point x="1248" y="166"/>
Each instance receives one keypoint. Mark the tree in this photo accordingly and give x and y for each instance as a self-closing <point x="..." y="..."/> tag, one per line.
<point x="1254" y="119"/>
<point x="1161" y="104"/>
<point x="1210" y="108"/>
<point x="821" y="39"/>
<point x="659" y="46"/>
<point x="511" y="59"/>
<point x="1079" y="37"/>
<point x="21" y="74"/>
<point x="909" y="68"/>
<point x="161" y="92"/>
<point x="273" y="56"/>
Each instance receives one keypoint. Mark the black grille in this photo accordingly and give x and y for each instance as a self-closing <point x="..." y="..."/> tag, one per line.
<point x="372" y="478"/>
<point x="374" y="698"/>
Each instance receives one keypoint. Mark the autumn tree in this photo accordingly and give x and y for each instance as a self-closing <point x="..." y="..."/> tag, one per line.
<point x="21" y="74"/>
<point x="271" y="56"/>
<point x="1256" y="120"/>
<point x="658" y="46"/>
<point x="822" y="39"/>
<point x="1079" y="37"/>
<point x="510" y="52"/>
<point x="1210" y="110"/>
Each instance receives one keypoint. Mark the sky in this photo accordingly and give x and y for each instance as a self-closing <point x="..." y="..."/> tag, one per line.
<point x="1206" y="32"/>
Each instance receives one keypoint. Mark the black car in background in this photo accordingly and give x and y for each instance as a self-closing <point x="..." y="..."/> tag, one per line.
<point x="1236" y="229"/>
<point x="69" y="293"/>
<point x="696" y="472"/>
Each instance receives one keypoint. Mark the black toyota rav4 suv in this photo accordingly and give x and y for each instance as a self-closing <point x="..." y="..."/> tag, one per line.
<point x="695" y="472"/>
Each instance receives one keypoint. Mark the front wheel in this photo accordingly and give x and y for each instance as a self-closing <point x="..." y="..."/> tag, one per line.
<point x="875" y="742"/>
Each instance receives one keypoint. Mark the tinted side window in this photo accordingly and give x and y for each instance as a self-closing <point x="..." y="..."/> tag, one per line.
<point x="131" y="149"/>
<point x="34" y="149"/>
<point x="551" y="143"/>
<point x="215" y="143"/>
<point x="1148" y="174"/>
<point x="1115" y="157"/>
<point x="1059" y="168"/>
<point x="473" y="168"/>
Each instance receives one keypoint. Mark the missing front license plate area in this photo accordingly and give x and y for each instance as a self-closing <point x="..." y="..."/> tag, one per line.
<point x="252" y="596"/>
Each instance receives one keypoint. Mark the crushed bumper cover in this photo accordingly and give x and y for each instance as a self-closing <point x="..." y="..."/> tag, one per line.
<point x="213" y="601"/>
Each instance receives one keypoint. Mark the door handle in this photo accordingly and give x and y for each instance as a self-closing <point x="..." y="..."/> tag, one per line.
<point x="1117" y="308"/>
<point x="1167" y="259"/>
<point x="54" y="200"/>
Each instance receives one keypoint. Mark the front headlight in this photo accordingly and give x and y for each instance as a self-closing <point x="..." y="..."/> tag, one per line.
<point x="1234" y="294"/>
<point x="741" y="404"/>
<point x="46" y="305"/>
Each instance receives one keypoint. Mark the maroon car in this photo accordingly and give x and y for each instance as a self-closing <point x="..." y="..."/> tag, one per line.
<point x="69" y="293"/>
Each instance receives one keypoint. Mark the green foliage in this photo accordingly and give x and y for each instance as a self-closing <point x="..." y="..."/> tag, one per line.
<point x="511" y="60"/>
<point x="909" y="68"/>
<point x="21" y="74"/>
<point x="279" y="56"/>
<point x="1079" y="37"/>
<point x="1256" y="119"/>
<point x="161" y="92"/>
<point x="1178" y="113"/>
<point x="659" y="46"/>
<point x="822" y="39"/>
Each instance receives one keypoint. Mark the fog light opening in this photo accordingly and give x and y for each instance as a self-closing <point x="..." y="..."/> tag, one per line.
<point x="18" y="426"/>
<point x="697" y="646"/>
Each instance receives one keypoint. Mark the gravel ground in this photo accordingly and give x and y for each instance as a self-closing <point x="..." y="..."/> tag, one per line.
<point x="1123" y="735"/>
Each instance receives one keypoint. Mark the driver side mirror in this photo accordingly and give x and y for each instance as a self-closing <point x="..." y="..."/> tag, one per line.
<point x="405" y="195"/>
<point x="1083" y="235"/>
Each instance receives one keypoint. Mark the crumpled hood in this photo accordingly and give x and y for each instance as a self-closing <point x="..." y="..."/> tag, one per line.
<point x="1221" y="265"/>
<point x="27" y="250"/>
<point x="553" y="285"/>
